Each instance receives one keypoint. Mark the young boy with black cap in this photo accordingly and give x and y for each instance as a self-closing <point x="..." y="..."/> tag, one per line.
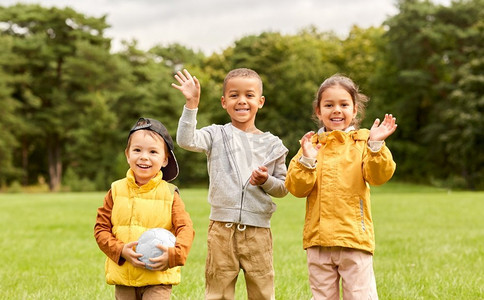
<point x="143" y="200"/>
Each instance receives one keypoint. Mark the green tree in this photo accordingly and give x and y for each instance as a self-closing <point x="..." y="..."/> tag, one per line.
<point x="95" y="79"/>
<point x="360" y="59"/>
<point x="68" y="102"/>
<point x="10" y="121"/>
<point x="46" y="38"/>
<point x="459" y="140"/>
<point x="432" y="53"/>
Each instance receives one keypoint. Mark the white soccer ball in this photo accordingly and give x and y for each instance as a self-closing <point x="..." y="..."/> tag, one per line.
<point x="149" y="239"/>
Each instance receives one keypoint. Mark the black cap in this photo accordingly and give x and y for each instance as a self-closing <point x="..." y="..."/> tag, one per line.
<point x="170" y="171"/>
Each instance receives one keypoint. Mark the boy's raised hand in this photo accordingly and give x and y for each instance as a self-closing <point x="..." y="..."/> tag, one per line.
<point x="190" y="88"/>
<point x="379" y="132"/>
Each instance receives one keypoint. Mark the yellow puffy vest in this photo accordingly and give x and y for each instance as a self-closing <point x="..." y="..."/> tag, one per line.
<point x="135" y="210"/>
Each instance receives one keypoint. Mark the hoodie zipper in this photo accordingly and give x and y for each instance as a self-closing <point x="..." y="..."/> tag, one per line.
<point x="244" y="186"/>
<point x="237" y="171"/>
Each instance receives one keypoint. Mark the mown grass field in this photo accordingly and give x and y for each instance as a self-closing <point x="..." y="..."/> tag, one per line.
<point x="430" y="245"/>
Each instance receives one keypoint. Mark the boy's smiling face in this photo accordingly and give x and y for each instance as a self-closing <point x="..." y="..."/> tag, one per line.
<point x="242" y="99"/>
<point x="146" y="154"/>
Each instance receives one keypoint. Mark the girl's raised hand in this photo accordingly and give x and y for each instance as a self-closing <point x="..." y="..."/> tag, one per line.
<point x="190" y="88"/>
<point x="379" y="132"/>
<point x="309" y="150"/>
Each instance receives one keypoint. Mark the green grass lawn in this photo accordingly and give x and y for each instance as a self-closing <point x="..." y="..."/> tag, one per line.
<point x="430" y="245"/>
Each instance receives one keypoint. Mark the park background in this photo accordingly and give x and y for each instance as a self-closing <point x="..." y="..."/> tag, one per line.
<point x="68" y="102"/>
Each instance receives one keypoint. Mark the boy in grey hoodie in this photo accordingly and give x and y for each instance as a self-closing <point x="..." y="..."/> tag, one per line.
<point x="246" y="167"/>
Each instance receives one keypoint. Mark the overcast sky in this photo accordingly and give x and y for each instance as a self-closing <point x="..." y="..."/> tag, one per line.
<point x="213" y="25"/>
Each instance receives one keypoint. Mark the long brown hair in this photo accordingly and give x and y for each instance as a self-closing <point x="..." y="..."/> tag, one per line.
<point x="359" y="99"/>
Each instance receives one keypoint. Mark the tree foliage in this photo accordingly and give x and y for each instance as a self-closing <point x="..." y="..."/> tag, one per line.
<point x="47" y="40"/>
<point x="433" y="76"/>
<point x="9" y="120"/>
<point x="68" y="102"/>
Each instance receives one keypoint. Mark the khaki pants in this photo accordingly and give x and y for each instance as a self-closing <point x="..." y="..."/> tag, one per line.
<point x="149" y="292"/>
<point x="232" y="247"/>
<point x="327" y="265"/>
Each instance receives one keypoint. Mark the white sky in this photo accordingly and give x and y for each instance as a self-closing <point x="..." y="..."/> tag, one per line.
<point x="213" y="25"/>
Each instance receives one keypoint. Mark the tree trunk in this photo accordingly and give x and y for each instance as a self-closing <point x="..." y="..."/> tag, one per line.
<point x="25" y="162"/>
<point x="55" y="163"/>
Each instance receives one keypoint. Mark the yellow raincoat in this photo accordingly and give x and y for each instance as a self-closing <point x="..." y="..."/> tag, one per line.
<point x="338" y="207"/>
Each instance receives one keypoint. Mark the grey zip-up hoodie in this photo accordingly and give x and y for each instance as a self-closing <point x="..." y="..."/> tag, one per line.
<point x="232" y="198"/>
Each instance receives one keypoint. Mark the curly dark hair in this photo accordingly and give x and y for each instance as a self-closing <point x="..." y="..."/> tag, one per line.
<point x="241" y="72"/>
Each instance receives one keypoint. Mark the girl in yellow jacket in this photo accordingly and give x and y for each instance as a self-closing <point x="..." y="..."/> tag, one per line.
<point x="333" y="170"/>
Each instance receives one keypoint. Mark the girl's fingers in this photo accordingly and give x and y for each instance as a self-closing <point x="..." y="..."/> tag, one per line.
<point x="377" y="122"/>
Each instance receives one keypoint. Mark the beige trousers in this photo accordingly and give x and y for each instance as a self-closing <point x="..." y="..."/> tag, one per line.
<point x="328" y="265"/>
<point x="232" y="247"/>
<point x="149" y="292"/>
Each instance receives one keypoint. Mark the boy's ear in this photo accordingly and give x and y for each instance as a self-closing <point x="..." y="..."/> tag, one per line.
<point x="222" y="101"/>
<point x="127" y="156"/>
<point x="262" y="100"/>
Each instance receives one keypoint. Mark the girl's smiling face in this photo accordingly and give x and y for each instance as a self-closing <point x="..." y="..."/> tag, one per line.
<point x="146" y="154"/>
<point x="336" y="108"/>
